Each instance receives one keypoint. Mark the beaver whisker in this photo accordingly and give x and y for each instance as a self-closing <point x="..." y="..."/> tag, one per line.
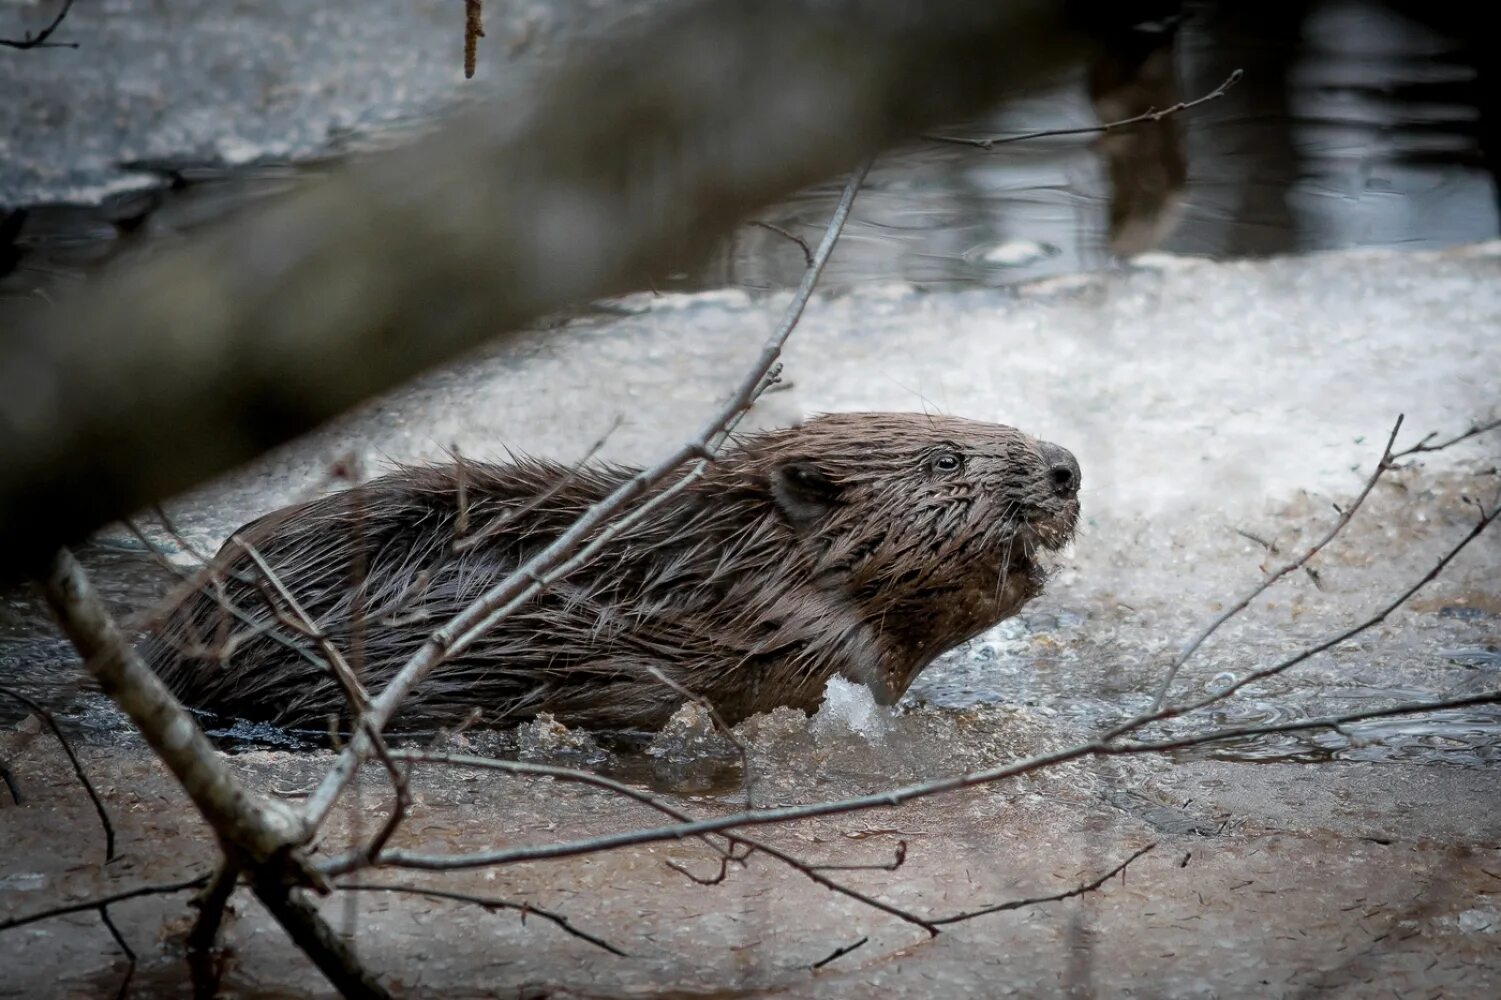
<point x="831" y="548"/>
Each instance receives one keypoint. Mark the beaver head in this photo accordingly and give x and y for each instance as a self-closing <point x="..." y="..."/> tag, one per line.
<point x="927" y="527"/>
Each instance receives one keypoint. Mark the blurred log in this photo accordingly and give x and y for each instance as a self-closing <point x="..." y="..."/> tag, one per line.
<point x="610" y="169"/>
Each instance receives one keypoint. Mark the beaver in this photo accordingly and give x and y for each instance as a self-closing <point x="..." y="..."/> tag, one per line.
<point x="857" y="544"/>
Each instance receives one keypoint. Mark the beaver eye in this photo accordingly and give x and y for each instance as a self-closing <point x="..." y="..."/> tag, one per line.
<point x="946" y="461"/>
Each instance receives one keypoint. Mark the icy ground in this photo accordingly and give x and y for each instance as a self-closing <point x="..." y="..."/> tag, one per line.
<point x="1216" y="409"/>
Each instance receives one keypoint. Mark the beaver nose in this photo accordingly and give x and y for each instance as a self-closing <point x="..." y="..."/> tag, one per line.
<point x="1063" y="468"/>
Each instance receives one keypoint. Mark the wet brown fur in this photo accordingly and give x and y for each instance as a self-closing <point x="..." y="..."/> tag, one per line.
<point x="844" y="546"/>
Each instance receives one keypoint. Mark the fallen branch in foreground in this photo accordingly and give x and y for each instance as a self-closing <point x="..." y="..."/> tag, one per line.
<point x="260" y="834"/>
<point x="1424" y="446"/>
<point x="260" y="828"/>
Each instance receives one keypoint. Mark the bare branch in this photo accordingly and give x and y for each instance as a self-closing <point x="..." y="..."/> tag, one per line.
<point x="879" y="800"/>
<point x="507" y="518"/>
<point x="197" y="882"/>
<point x="1331" y="722"/>
<point x="260" y="827"/>
<point x="83" y="778"/>
<point x="1382" y="465"/>
<point x="130" y="955"/>
<point x="1017" y="904"/>
<point x="210" y="904"/>
<point x="1147" y="116"/>
<point x="490" y="903"/>
<point x="261" y="832"/>
<point x="899" y="858"/>
<point x="312" y="934"/>
<point x="801" y="243"/>
<point x="564" y="774"/>
<point x="356" y="696"/>
<point x="1475" y="430"/>
<point x="811" y="871"/>
<point x="838" y="953"/>
<point x="39" y="41"/>
<point x="171" y="528"/>
<point x="209" y="573"/>
<point x="1312" y="651"/>
<point x="302" y="622"/>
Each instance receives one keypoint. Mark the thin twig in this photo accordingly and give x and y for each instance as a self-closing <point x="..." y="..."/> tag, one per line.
<point x="354" y="692"/>
<point x="196" y="882"/>
<point x="194" y="580"/>
<point x="83" y="778"/>
<point x="474" y="30"/>
<point x="1332" y="722"/>
<point x="130" y="955"/>
<point x="810" y="871"/>
<point x="786" y="234"/>
<point x="531" y="769"/>
<point x="838" y="953"/>
<point x="553" y="561"/>
<point x="177" y="536"/>
<point x="1382" y="465"/>
<point x="1151" y="115"/>
<point x="489" y="903"/>
<point x="302" y="622"/>
<point x="1017" y="904"/>
<point x="39" y="41"/>
<point x="879" y="800"/>
<point x="898" y="858"/>
<point x="1423" y="445"/>
<point x="1375" y="619"/>
<point x="262" y="833"/>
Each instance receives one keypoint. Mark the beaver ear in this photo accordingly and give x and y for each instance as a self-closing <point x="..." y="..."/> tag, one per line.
<point x="803" y="491"/>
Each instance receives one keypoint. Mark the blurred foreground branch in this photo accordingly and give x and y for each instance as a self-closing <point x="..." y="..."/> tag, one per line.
<point x="628" y="163"/>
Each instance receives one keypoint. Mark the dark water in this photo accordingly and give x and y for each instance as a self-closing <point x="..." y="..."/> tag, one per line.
<point x="1354" y="124"/>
